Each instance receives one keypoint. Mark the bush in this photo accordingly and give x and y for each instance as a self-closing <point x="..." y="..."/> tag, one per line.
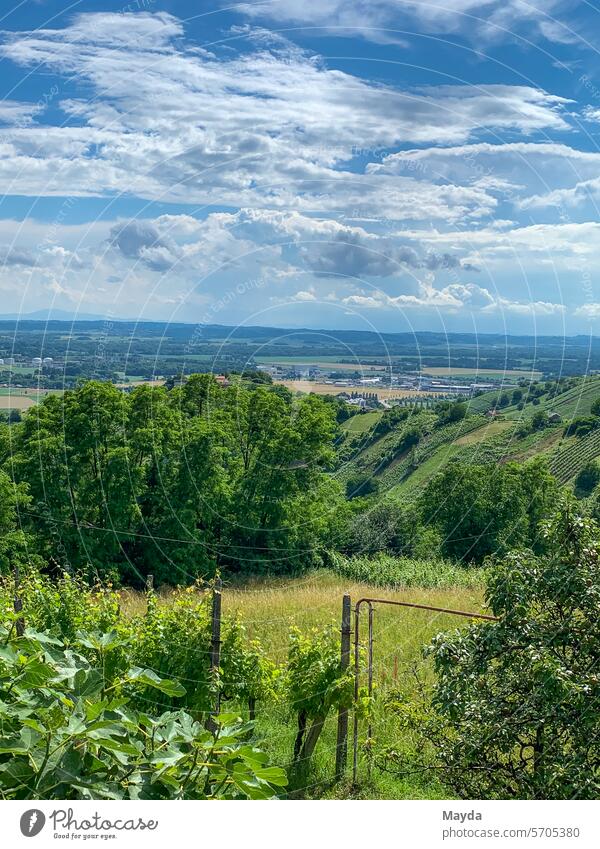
<point x="450" y="411"/>
<point x="361" y="485"/>
<point x="68" y="732"/>
<point x="173" y="639"/>
<point x="582" y="425"/>
<point x="539" y="420"/>
<point x="588" y="478"/>
<point x="517" y="699"/>
<point x="387" y="526"/>
<point x="65" y="604"/>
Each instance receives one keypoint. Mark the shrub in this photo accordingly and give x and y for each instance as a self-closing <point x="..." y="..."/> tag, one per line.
<point x="315" y="684"/>
<point x="69" y="733"/>
<point x="361" y="485"/>
<point x="588" y="478"/>
<point x="517" y="698"/>
<point x="582" y="425"/>
<point x="387" y="526"/>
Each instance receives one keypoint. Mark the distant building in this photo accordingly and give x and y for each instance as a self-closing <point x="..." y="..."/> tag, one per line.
<point x="36" y="361"/>
<point x="554" y="418"/>
<point x="9" y="361"/>
<point x="47" y="361"/>
<point x="221" y="380"/>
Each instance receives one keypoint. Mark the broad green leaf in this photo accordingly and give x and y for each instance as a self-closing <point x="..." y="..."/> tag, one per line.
<point x="151" y="679"/>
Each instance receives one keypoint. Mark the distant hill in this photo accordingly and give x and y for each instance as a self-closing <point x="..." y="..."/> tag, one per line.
<point x="52" y="315"/>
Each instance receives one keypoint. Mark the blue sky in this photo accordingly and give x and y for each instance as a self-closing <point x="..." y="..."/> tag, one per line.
<point x="366" y="164"/>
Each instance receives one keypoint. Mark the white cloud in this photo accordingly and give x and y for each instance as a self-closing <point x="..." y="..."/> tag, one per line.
<point x="381" y="20"/>
<point x="529" y="175"/>
<point x="589" y="311"/>
<point x="268" y="128"/>
<point x="457" y="297"/>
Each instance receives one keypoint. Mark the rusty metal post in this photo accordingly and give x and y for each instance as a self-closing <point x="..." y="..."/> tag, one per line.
<point x="18" y="604"/>
<point x="341" y="754"/>
<point x="215" y="649"/>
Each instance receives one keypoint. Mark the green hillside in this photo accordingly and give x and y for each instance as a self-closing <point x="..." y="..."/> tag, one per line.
<point x="515" y="424"/>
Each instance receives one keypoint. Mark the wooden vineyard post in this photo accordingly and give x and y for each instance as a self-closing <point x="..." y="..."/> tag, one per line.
<point x="341" y="752"/>
<point x="149" y="590"/>
<point x="215" y="650"/>
<point x="18" y="604"/>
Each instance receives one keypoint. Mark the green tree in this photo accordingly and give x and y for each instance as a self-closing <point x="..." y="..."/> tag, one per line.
<point x="176" y="482"/>
<point x="481" y="510"/>
<point x="595" y="408"/>
<point x="516" y="700"/>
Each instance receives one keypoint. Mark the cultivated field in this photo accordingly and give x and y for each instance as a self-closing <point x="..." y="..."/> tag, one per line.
<point x="452" y="371"/>
<point x="330" y="389"/>
<point x="330" y="363"/>
<point x="23" y="399"/>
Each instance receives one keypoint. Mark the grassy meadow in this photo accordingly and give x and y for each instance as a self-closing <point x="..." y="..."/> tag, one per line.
<point x="268" y="607"/>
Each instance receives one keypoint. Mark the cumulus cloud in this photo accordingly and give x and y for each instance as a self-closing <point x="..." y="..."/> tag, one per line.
<point x="527" y="174"/>
<point x="16" y="256"/>
<point x="456" y="297"/>
<point x="589" y="311"/>
<point x="352" y="253"/>
<point x="141" y="240"/>
<point x="321" y="172"/>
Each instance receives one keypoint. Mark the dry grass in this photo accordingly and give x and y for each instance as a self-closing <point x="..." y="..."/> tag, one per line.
<point x="16" y="402"/>
<point x="331" y="389"/>
<point x="270" y="606"/>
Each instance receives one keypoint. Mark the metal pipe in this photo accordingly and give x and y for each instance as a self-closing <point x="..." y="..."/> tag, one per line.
<point x="427" y="607"/>
<point x="370" y="686"/>
<point x="371" y="602"/>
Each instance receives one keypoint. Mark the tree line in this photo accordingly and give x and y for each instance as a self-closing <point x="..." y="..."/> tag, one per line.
<point x="174" y="483"/>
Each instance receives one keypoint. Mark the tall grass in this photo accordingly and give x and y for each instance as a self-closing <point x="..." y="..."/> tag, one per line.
<point x="383" y="570"/>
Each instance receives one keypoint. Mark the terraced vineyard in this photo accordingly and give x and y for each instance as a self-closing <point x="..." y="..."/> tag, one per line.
<point x="576" y="401"/>
<point x="477" y="439"/>
<point x="568" y="462"/>
<point x="428" y="446"/>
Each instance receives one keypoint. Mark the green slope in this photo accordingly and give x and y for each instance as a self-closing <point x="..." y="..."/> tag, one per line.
<point x="477" y="439"/>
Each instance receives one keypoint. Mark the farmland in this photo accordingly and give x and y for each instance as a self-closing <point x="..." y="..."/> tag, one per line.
<point x="500" y="374"/>
<point x="319" y="388"/>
